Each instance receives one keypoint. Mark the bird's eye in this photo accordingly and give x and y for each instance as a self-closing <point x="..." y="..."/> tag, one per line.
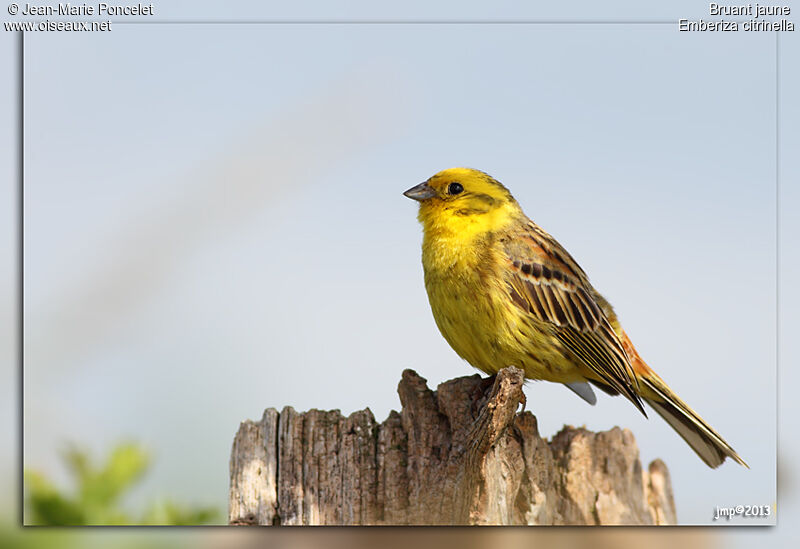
<point x="454" y="188"/>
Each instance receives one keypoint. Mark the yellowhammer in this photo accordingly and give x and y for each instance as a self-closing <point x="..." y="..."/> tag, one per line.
<point x="505" y="293"/>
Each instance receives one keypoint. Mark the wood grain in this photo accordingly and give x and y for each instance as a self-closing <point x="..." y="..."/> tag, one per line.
<point x="459" y="455"/>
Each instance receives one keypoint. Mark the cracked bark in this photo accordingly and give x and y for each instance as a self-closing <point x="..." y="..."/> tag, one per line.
<point x="458" y="455"/>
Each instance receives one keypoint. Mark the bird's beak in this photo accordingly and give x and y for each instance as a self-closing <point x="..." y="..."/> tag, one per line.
<point x="421" y="192"/>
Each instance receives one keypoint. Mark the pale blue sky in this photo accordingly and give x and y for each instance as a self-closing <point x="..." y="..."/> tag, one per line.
<point x="214" y="222"/>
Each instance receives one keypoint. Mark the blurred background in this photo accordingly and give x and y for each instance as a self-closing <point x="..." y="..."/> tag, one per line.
<point x="214" y="225"/>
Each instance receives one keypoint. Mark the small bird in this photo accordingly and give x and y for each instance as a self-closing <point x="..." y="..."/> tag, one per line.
<point x="504" y="293"/>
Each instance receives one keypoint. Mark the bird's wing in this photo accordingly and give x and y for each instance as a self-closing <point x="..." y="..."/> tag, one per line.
<point x="543" y="280"/>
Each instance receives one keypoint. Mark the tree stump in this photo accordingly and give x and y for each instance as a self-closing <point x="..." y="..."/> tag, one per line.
<point x="458" y="455"/>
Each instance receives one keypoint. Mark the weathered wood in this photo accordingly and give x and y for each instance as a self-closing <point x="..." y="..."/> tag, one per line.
<point x="458" y="455"/>
<point x="253" y="495"/>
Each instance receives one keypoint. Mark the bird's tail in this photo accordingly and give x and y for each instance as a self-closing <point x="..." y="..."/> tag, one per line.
<point x="704" y="440"/>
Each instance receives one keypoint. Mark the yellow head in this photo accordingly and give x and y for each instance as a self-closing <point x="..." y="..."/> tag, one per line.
<point x="463" y="201"/>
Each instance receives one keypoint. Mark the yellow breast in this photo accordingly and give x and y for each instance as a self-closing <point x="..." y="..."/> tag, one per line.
<point x="472" y="310"/>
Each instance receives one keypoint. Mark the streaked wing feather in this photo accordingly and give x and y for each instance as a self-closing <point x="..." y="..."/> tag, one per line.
<point x="544" y="281"/>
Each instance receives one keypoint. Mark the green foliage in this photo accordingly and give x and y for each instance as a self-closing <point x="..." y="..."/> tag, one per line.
<point x="99" y="491"/>
<point x="16" y="538"/>
<point x="171" y="513"/>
